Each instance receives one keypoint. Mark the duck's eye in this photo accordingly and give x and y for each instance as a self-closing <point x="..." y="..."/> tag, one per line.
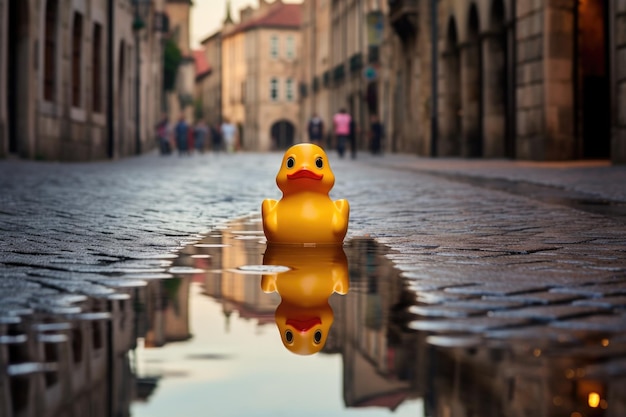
<point x="289" y="336"/>
<point x="317" y="337"/>
<point x="319" y="162"/>
<point x="291" y="161"/>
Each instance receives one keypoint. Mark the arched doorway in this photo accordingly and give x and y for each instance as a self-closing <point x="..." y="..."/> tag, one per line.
<point x="592" y="89"/>
<point x="17" y="87"/>
<point x="497" y="140"/>
<point x="451" y="128"/>
<point x="472" y="87"/>
<point x="282" y="133"/>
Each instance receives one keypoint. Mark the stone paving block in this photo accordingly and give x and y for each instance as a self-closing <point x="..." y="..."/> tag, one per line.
<point x="430" y="285"/>
<point x="437" y="297"/>
<point x="616" y="302"/>
<point x="502" y="288"/>
<point x="536" y="298"/>
<point x="462" y="308"/>
<point x="443" y="311"/>
<point x="601" y="290"/>
<point x="550" y="312"/>
<point x="605" y="322"/>
<point x="484" y="304"/>
<point x="536" y="333"/>
<point x="469" y="325"/>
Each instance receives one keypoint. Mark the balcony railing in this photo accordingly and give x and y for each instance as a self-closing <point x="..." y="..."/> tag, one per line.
<point x="373" y="54"/>
<point x="339" y="72"/>
<point x="326" y="78"/>
<point x="403" y="17"/>
<point x="356" y="62"/>
<point x="315" y="84"/>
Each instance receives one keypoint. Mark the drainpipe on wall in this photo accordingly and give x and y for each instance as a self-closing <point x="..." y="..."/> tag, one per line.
<point x="361" y="50"/>
<point x="578" y="132"/>
<point x="512" y="95"/>
<point x="137" y="93"/>
<point x="613" y="103"/>
<point x="434" y="79"/>
<point x="110" y="79"/>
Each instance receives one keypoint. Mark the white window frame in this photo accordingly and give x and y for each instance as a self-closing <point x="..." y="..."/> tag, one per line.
<point x="289" y="90"/>
<point x="274" y="47"/>
<point x="274" y="89"/>
<point x="290" y="48"/>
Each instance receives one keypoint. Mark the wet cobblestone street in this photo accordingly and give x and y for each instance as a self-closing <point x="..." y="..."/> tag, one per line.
<point x="493" y="253"/>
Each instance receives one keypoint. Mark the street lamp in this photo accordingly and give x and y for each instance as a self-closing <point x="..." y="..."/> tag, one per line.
<point x="141" y="10"/>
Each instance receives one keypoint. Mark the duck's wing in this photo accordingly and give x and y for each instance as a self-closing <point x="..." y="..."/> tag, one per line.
<point x="269" y="215"/>
<point x="340" y="219"/>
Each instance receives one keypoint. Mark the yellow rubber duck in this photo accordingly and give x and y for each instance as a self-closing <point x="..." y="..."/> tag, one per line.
<point x="304" y="316"/>
<point x="305" y="214"/>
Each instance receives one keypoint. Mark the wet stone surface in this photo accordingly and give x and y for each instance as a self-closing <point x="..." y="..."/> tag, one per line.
<point x="72" y="227"/>
<point x="478" y="263"/>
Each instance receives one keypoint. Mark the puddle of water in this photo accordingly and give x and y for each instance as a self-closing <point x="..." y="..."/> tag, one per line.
<point x="237" y="327"/>
<point x="264" y="334"/>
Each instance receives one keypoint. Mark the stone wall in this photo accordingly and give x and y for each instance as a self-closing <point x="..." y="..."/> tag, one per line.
<point x="618" y="85"/>
<point x="47" y="124"/>
<point x="530" y="79"/>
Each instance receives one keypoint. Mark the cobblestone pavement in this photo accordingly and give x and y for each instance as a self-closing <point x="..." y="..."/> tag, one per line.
<point x="482" y="254"/>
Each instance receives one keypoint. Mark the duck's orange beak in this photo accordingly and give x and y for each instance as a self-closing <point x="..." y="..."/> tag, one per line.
<point x="305" y="173"/>
<point x="304" y="325"/>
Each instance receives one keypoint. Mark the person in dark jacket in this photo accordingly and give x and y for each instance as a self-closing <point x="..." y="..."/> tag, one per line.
<point x="376" y="134"/>
<point x="315" y="129"/>
<point x="181" y="130"/>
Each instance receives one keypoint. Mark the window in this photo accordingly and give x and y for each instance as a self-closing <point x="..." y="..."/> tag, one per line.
<point x="274" y="89"/>
<point x="50" y="50"/>
<point x="77" y="37"/>
<point x="289" y="89"/>
<point x="274" y="46"/>
<point x="291" y="47"/>
<point x="96" y="70"/>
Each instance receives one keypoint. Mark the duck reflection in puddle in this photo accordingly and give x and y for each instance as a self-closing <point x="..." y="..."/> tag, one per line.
<point x="304" y="316"/>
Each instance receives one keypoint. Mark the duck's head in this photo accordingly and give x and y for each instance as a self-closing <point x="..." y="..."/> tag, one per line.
<point x="305" y="167"/>
<point x="303" y="331"/>
<point x="304" y="316"/>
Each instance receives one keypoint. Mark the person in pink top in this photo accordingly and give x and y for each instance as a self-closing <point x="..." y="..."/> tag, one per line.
<point x="341" y="127"/>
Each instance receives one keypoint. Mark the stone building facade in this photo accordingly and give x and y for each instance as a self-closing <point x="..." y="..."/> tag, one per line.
<point x="180" y="99"/>
<point x="341" y="62"/>
<point x="209" y="89"/>
<point x="515" y="79"/>
<point x="68" y="78"/>
<point x="259" y="62"/>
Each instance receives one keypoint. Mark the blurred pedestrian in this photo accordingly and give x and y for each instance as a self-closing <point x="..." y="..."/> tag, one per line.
<point x="315" y="129"/>
<point x="200" y="133"/>
<point x="376" y="134"/>
<point x="341" y="129"/>
<point x="163" y="135"/>
<point x="181" y="130"/>
<point x="216" y="138"/>
<point x="352" y="136"/>
<point x="229" y="135"/>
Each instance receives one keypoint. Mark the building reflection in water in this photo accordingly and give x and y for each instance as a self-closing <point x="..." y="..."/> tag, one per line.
<point x="68" y="355"/>
<point x="85" y="356"/>
<point x="380" y="358"/>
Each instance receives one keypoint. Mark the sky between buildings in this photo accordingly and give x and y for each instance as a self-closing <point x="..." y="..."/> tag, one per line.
<point x="207" y="16"/>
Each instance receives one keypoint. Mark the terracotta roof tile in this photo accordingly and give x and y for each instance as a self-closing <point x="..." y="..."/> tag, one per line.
<point x="203" y="68"/>
<point x="281" y="15"/>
